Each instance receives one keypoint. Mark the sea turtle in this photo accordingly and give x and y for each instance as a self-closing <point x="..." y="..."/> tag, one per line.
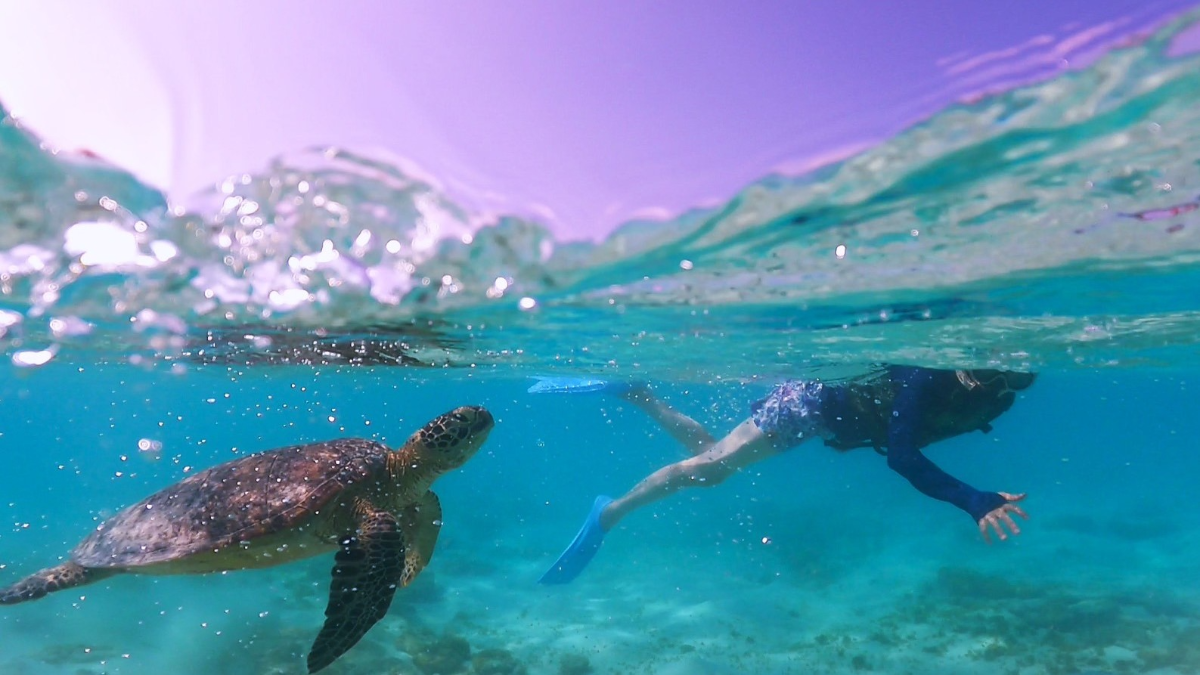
<point x="354" y="496"/>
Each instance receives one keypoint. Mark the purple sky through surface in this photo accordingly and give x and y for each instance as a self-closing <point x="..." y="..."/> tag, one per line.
<point x="588" y="114"/>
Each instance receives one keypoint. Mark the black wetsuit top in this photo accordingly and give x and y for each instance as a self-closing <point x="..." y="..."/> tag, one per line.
<point x="859" y="414"/>
<point x="907" y="408"/>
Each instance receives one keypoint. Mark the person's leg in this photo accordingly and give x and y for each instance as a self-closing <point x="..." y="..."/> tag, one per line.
<point x="743" y="446"/>
<point x="687" y="431"/>
<point x="781" y="420"/>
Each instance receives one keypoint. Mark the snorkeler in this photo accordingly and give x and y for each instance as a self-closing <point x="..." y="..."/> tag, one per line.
<point x="897" y="411"/>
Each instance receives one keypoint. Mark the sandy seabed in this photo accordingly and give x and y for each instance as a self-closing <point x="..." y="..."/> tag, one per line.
<point x="1076" y="595"/>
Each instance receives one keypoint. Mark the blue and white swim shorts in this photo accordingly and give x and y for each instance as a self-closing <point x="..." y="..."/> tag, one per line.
<point x="790" y="413"/>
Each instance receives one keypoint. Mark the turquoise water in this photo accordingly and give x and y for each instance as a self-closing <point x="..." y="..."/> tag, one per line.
<point x="1051" y="227"/>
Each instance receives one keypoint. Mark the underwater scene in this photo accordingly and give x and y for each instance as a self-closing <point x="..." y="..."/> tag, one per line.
<point x="1052" y="228"/>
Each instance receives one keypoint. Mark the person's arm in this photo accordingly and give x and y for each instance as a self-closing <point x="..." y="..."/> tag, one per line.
<point x="687" y="431"/>
<point x="905" y="458"/>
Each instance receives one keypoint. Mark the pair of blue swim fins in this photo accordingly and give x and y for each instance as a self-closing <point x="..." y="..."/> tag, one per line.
<point x="587" y="541"/>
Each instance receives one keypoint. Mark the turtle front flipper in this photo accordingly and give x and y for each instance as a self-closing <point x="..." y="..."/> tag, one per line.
<point x="367" y="570"/>
<point x="38" y="584"/>
<point x="421" y="524"/>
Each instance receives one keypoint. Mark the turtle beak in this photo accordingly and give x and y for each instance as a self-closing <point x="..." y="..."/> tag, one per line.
<point x="483" y="420"/>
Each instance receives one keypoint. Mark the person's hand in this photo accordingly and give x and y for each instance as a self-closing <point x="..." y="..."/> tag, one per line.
<point x="998" y="518"/>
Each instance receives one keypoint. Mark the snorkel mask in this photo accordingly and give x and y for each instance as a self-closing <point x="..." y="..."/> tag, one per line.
<point x="1001" y="381"/>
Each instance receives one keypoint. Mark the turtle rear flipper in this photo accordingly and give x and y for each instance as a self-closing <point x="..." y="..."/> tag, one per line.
<point x="38" y="584"/>
<point x="367" y="570"/>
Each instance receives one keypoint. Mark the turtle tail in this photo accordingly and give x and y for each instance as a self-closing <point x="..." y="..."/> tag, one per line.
<point x="38" y="584"/>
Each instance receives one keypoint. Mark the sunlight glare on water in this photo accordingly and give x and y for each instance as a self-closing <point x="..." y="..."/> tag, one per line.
<point x="936" y="236"/>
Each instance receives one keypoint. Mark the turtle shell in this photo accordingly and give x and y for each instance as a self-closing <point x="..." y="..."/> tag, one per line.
<point x="234" y="502"/>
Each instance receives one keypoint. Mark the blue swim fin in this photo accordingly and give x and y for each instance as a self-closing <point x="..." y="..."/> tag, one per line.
<point x="567" y="385"/>
<point x="582" y="549"/>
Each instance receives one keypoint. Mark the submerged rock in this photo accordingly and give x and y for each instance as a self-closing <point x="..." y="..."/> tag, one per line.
<point x="574" y="664"/>
<point x="445" y="655"/>
<point x="497" y="662"/>
<point x="60" y="654"/>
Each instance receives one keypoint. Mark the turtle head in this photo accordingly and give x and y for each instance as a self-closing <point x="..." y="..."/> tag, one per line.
<point x="452" y="438"/>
